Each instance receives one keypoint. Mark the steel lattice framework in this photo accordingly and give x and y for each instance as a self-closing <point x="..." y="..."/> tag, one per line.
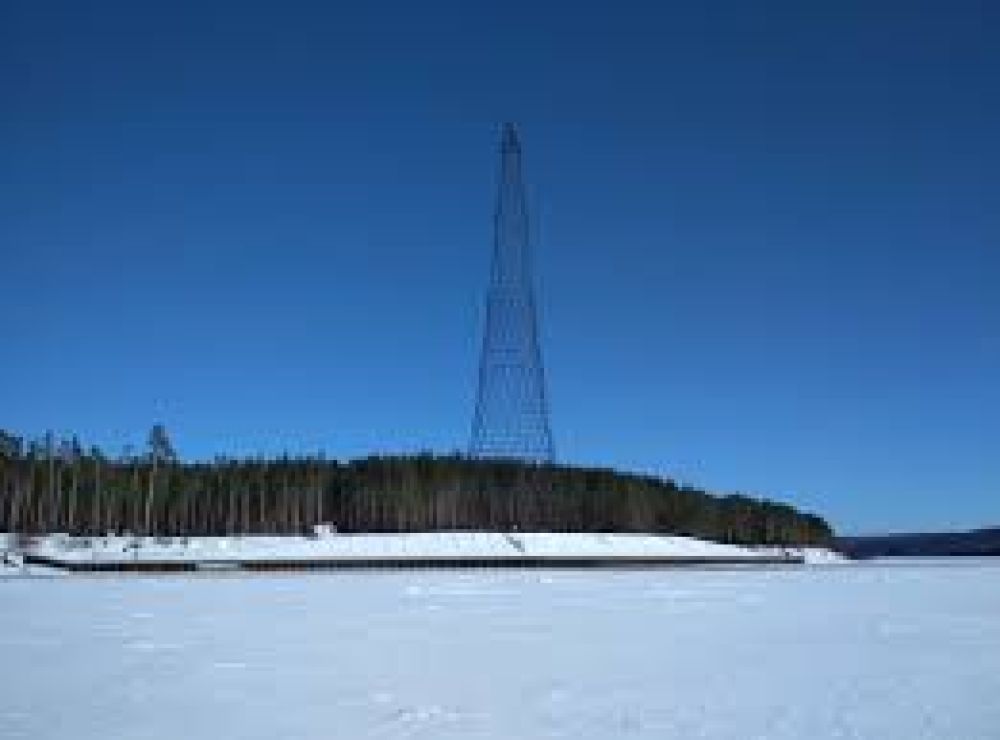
<point x="512" y="416"/>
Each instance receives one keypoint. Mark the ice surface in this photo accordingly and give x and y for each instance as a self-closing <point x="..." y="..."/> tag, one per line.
<point x="875" y="650"/>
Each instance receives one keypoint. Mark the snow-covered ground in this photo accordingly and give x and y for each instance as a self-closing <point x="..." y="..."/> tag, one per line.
<point x="440" y="545"/>
<point x="810" y="555"/>
<point x="900" y="650"/>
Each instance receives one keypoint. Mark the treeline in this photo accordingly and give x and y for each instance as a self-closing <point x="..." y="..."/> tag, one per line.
<point x="49" y="486"/>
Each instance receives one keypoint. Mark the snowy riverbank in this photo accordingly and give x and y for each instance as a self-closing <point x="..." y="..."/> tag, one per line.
<point x="437" y="547"/>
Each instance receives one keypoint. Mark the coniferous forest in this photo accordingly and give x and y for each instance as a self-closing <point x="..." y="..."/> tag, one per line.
<point x="51" y="485"/>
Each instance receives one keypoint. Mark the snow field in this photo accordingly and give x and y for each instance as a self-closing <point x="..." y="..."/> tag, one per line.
<point x="907" y="651"/>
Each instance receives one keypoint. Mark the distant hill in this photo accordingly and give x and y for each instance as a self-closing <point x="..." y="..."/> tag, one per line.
<point x="975" y="542"/>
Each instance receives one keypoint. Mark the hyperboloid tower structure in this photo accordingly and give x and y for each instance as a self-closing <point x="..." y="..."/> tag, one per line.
<point x="512" y="416"/>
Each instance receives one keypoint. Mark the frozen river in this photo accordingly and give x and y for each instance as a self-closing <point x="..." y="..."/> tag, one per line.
<point x="893" y="650"/>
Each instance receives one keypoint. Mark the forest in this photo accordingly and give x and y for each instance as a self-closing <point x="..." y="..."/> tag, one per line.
<point x="49" y="485"/>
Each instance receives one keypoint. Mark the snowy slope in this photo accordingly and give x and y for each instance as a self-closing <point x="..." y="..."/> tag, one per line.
<point x="436" y="545"/>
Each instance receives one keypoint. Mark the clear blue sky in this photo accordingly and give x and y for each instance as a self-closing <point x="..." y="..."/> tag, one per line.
<point x="768" y="234"/>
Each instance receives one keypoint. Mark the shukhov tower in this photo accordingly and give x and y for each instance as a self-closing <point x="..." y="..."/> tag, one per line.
<point x="512" y="416"/>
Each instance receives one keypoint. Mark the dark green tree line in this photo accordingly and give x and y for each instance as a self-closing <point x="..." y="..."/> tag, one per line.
<point x="47" y="486"/>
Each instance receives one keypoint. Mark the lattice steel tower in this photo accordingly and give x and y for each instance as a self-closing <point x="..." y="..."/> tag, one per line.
<point x="512" y="415"/>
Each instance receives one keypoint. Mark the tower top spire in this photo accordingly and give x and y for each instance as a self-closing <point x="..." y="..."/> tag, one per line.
<point x="510" y="156"/>
<point x="510" y="139"/>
